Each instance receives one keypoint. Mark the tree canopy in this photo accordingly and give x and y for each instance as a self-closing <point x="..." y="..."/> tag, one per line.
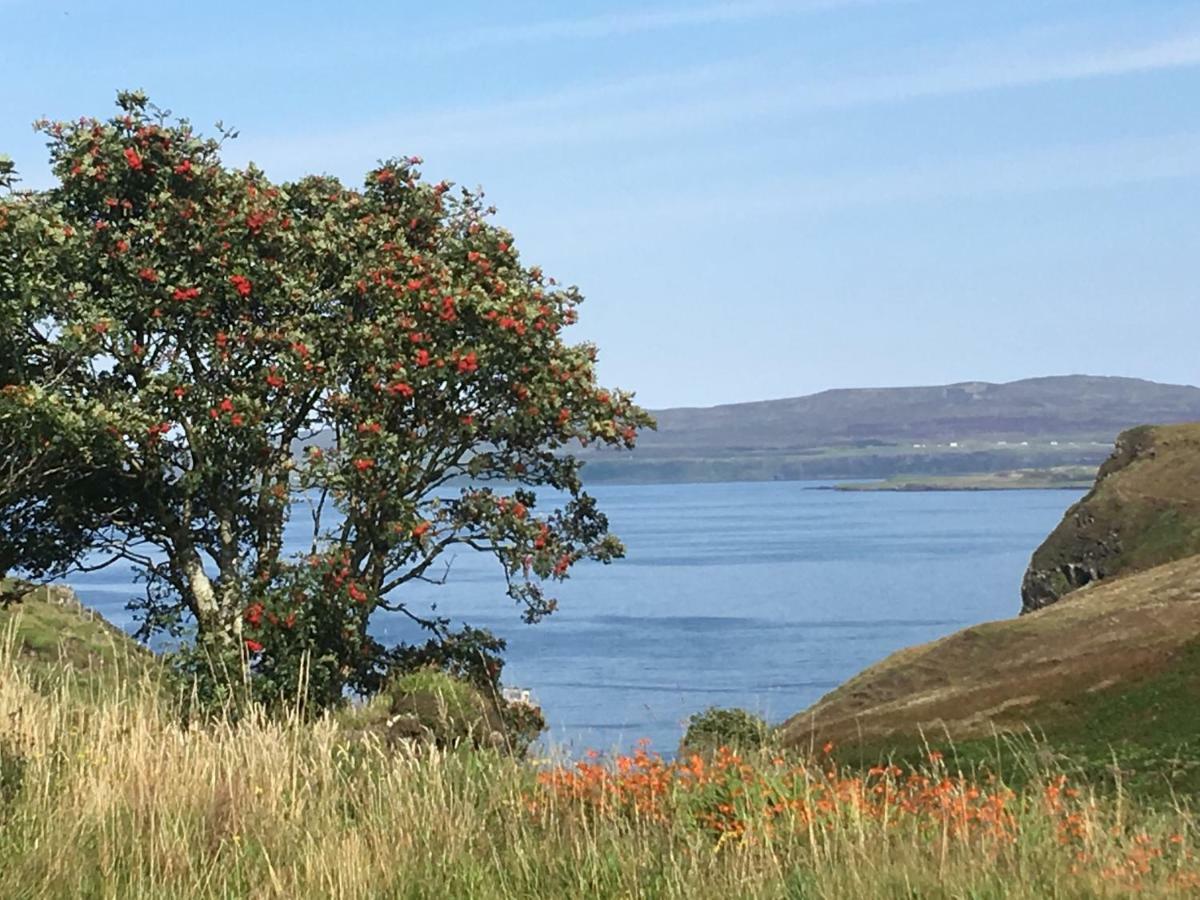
<point x="192" y="355"/>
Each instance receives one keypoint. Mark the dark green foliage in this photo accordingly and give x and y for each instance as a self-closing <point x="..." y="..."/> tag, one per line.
<point x="733" y="728"/>
<point x="471" y="654"/>
<point x="429" y="706"/>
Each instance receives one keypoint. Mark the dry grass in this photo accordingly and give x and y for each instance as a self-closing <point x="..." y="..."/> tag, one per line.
<point x="1003" y="673"/>
<point x="107" y="796"/>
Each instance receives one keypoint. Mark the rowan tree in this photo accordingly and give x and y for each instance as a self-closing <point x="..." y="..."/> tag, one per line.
<point x="377" y="360"/>
<point x="50" y="452"/>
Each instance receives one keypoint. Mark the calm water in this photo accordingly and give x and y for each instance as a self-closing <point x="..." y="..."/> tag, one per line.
<point x="762" y="595"/>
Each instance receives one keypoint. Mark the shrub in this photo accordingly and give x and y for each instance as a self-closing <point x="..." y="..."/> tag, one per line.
<point x="733" y="728"/>
<point x="430" y="706"/>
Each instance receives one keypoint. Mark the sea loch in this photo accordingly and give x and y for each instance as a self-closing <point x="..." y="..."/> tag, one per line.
<point x="762" y="595"/>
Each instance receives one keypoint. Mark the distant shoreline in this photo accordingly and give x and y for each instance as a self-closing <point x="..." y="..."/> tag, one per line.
<point x="1064" y="478"/>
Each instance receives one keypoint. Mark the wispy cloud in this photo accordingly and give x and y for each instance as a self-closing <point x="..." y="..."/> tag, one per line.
<point x="1065" y="167"/>
<point x="585" y="229"/>
<point x="718" y="96"/>
<point x="637" y="21"/>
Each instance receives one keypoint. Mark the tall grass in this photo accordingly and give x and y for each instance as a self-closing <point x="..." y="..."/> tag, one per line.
<point x="109" y="796"/>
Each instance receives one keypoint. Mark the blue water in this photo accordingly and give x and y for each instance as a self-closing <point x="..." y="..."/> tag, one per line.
<point x="761" y="595"/>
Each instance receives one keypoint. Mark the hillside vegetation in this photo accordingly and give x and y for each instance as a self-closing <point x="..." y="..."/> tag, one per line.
<point x="48" y="629"/>
<point x="896" y="784"/>
<point x="880" y="432"/>
<point x="1108" y="676"/>
<point x="112" y="797"/>
<point x="1022" y="671"/>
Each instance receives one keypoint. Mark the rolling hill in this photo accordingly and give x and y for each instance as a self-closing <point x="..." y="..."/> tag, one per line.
<point x="880" y="432"/>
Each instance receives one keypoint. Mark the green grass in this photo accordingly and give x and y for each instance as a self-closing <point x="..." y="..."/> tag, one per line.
<point x="111" y="797"/>
<point x="50" y="629"/>
<point x="1142" y="736"/>
<point x="1164" y="533"/>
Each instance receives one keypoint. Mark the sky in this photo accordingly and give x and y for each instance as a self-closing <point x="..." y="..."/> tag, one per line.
<point x="759" y="199"/>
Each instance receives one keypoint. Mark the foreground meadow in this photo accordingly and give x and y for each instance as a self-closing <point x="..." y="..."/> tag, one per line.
<point x="104" y="794"/>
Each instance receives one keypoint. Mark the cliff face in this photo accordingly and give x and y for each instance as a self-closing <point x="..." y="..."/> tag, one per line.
<point x="1144" y="510"/>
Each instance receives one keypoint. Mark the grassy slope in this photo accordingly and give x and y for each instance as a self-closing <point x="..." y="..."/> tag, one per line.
<point x="49" y="628"/>
<point x="1110" y="673"/>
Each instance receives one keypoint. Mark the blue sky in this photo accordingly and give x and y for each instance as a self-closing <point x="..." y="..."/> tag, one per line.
<point x="761" y="198"/>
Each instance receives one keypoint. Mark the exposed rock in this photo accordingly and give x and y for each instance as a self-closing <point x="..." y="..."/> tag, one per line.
<point x="1144" y="510"/>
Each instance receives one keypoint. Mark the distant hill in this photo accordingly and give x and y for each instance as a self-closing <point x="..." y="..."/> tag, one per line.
<point x="880" y="432"/>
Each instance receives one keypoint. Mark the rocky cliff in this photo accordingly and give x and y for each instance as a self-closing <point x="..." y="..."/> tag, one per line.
<point x="1144" y="510"/>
